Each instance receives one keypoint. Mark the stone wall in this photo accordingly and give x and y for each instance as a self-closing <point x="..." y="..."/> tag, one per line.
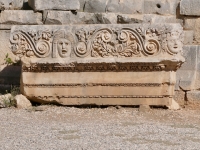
<point x="65" y="12"/>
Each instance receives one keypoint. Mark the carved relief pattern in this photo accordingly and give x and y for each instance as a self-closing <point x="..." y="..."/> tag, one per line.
<point x="93" y="84"/>
<point x="113" y="67"/>
<point x="102" y="42"/>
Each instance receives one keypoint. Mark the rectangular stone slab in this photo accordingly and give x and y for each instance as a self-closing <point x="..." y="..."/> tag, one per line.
<point x="99" y="64"/>
<point x="39" y="5"/>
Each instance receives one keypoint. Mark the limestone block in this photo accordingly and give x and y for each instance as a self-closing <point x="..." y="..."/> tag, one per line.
<point x="174" y="105"/>
<point x="39" y="5"/>
<point x="95" y="6"/>
<point x="179" y="97"/>
<point x="11" y="4"/>
<point x="129" y="64"/>
<point x="22" y="101"/>
<point x="190" y="7"/>
<point x="193" y="95"/>
<point x="4" y="46"/>
<point x="186" y="75"/>
<point x="197" y="82"/>
<point x="125" y="6"/>
<point x="67" y="17"/>
<point x="193" y="24"/>
<point x="163" y="7"/>
<point x="153" y="18"/>
<point x="188" y="37"/>
<point x="20" y="17"/>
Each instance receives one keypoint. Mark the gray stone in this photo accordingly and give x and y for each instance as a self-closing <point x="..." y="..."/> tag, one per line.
<point x="20" y="17"/>
<point x="186" y="75"/>
<point x="197" y="82"/>
<point x="153" y="18"/>
<point x="193" y="95"/>
<point x="125" y="6"/>
<point x="11" y="4"/>
<point x="67" y="17"/>
<point x="188" y="37"/>
<point x="190" y="7"/>
<point x="129" y="19"/>
<point x="22" y="101"/>
<point x="38" y="5"/>
<point x="95" y="6"/>
<point x="164" y="7"/>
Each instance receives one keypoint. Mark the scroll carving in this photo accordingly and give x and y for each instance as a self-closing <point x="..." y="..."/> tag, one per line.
<point x="97" y="43"/>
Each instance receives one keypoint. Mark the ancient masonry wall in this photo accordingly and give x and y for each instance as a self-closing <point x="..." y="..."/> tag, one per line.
<point x="39" y="12"/>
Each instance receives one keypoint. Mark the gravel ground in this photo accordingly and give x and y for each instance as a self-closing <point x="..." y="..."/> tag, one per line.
<point x="65" y="128"/>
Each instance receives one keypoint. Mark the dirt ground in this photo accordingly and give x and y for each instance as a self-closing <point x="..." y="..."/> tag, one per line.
<point x="51" y="127"/>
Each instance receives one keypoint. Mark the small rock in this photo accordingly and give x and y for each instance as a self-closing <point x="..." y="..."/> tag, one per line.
<point x="22" y="101"/>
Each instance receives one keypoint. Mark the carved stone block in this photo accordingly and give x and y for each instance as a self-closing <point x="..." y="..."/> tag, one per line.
<point x="39" y="5"/>
<point x="99" y="64"/>
<point x="190" y="7"/>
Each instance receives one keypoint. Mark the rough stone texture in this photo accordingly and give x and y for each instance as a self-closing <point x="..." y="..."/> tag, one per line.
<point x="162" y="7"/>
<point x="179" y="96"/>
<point x="188" y="37"/>
<point x="95" y="6"/>
<point x="193" y="96"/>
<point x="197" y="81"/>
<point x="22" y="101"/>
<point x="4" y="99"/>
<point x="4" y="46"/>
<point x="129" y="19"/>
<point x="153" y="18"/>
<point x="101" y="52"/>
<point x="11" y="4"/>
<point x="20" y="17"/>
<point x="190" y="7"/>
<point x="186" y="75"/>
<point x="115" y="6"/>
<point x="38" y="5"/>
<point x="125" y="6"/>
<point x="67" y="17"/>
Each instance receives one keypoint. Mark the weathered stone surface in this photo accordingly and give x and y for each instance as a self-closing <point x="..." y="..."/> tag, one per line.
<point x="190" y="7"/>
<point x="20" y="17"/>
<point x="95" y="6"/>
<point x="115" y="6"/>
<point x="193" y="95"/>
<point x="186" y="75"/>
<point x="67" y="17"/>
<point x="22" y="101"/>
<point x="193" y="24"/>
<point x="144" y="108"/>
<point x="180" y="98"/>
<point x="56" y="5"/>
<point x="129" y="19"/>
<point x="99" y="64"/>
<point x="197" y="81"/>
<point x="11" y="4"/>
<point x="188" y="37"/>
<point x="125" y="6"/>
<point x="153" y="18"/>
<point x="164" y="7"/>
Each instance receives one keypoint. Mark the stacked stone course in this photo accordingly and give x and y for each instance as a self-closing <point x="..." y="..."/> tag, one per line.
<point x="73" y="12"/>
